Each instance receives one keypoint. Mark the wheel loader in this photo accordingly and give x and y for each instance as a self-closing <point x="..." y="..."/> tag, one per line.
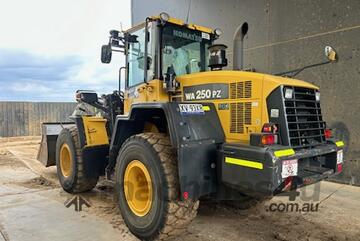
<point x="186" y="128"/>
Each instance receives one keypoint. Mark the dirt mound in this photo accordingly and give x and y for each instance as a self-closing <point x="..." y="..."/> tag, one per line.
<point x="4" y="152"/>
<point x="39" y="182"/>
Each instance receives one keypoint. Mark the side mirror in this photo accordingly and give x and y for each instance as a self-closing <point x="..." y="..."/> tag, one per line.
<point x="106" y="54"/>
<point x="114" y="33"/>
<point x="330" y="53"/>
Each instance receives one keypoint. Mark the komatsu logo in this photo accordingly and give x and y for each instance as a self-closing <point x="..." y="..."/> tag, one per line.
<point x="206" y="92"/>
<point x="189" y="36"/>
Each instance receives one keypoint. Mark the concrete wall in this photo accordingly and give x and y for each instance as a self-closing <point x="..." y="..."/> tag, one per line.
<point x="288" y="34"/>
<point x="25" y="118"/>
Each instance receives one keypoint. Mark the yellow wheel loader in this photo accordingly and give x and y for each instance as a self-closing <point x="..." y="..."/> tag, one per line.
<point x="184" y="129"/>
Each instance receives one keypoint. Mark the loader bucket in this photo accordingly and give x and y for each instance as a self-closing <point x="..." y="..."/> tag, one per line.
<point x="49" y="134"/>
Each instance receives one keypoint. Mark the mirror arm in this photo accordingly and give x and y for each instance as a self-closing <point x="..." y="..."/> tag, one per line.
<point x="293" y="73"/>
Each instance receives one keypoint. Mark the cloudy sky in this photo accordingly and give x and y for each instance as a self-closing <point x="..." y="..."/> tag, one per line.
<point x="50" y="48"/>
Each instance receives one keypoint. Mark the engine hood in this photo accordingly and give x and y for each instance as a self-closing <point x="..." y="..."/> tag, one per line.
<point x="230" y="76"/>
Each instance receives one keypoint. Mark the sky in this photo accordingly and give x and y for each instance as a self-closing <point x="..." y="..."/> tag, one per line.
<point x="50" y="48"/>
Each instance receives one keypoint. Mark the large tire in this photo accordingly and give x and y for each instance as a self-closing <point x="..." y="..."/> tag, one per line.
<point x="71" y="173"/>
<point x="167" y="215"/>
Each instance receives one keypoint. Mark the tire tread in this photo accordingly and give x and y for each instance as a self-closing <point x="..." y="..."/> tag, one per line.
<point x="82" y="182"/>
<point x="179" y="214"/>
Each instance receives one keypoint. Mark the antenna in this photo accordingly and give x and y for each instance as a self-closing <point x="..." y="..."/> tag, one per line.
<point x="188" y="12"/>
<point x="121" y="28"/>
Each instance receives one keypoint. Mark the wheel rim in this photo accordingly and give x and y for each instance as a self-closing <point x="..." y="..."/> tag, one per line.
<point x="65" y="160"/>
<point x="138" y="188"/>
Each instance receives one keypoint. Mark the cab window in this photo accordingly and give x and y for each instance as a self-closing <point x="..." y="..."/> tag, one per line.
<point x="184" y="50"/>
<point x="136" y="55"/>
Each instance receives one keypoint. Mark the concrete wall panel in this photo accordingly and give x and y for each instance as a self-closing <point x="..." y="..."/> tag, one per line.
<point x="289" y="34"/>
<point x="25" y="118"/>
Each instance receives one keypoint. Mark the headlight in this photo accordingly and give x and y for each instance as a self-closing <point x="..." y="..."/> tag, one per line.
<point x="218" y="31"/>
<point x="288" y="93"/>
<point x="317" y="96"/>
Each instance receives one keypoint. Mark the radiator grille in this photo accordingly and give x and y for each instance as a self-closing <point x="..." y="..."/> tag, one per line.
<point x="303" y="114"/>
<point x="241" y="89"/>
<point x="240" y="115"/>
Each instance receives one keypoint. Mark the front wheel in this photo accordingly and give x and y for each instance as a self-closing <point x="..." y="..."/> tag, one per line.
<point x="147" y="188"/>
<point x="70" y="164"/>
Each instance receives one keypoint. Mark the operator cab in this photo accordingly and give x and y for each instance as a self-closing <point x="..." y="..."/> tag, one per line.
<point x="184" y="50"/>
<point x="172" y="47"/>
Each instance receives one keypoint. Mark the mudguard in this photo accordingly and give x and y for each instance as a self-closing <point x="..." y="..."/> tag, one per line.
<point x="196" y="133"/>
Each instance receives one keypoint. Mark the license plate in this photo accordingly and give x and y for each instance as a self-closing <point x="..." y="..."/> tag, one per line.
<point x="289" y="168"/>
<point x="191" y="109"/>
<point x="340" y="157"/>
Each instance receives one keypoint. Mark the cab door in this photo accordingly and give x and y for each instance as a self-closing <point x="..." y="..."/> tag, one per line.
<point x="136" y="90"/>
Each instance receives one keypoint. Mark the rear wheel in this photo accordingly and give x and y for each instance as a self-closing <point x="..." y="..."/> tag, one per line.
<point x="147" y="188"/>
<point x="70" y="165"/>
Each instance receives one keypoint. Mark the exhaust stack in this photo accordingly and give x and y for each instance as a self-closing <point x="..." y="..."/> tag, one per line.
<point x="238" y="55"/>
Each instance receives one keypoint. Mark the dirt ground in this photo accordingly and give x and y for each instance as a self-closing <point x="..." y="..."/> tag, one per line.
<point x="25" y="184"/>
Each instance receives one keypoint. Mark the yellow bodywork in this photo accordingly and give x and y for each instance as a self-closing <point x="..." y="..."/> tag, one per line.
<point x="261" y="86"/>
<point x="95" y="131"/>
<point x="174" y="21"/>
<point x="153" y="91"/>
<point x="189" y="25"/>
<point x="245" y="112"/>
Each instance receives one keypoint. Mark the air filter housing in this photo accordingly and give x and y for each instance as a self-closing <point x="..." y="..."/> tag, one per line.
<point x="218" y="58"/>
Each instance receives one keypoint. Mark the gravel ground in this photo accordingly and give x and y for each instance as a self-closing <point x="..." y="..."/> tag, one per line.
<point x="21" y="176"/>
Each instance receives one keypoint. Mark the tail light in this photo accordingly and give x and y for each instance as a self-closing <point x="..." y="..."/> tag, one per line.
<point x="268" y="135"/>
<point x="339" y="160"/>
<point x="269" y="140"/>
<point x="328" y="133"/>
<point x="339" y="167"/>
<point x="263" y="139"/>
<point x="270" y="128"/>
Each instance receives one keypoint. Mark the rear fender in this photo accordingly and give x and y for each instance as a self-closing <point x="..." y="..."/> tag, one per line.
<point x="195" y="136"/>
<point x="93" y="141"/>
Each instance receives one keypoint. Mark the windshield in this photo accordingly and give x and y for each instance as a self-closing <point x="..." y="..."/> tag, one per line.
<point x="184" y="50"/>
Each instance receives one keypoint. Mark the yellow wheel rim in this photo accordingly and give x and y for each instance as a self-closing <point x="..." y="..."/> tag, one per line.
<point x="65" y="160"/>
<point x="138" y="188"/>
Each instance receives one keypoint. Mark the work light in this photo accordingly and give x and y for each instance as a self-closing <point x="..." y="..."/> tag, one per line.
<point x="164" y="17"/>
<point x="288" y="93"/>
<point x="218" y="31"/>
<point x="317" y="96"/>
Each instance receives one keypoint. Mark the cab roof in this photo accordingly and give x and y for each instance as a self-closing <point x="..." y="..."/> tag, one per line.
<point x="177" y="22"/>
